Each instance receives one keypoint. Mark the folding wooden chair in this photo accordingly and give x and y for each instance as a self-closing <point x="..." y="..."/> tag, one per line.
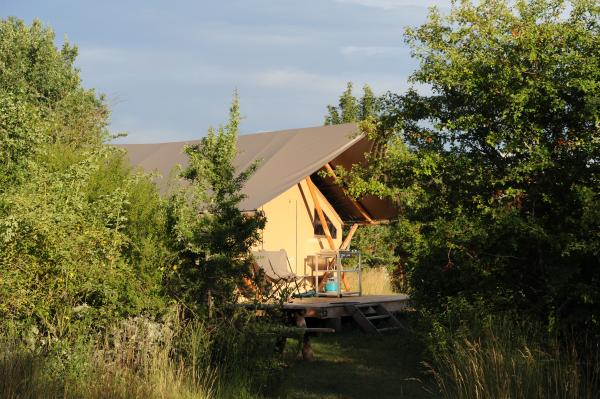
<point x="277" y="269"/>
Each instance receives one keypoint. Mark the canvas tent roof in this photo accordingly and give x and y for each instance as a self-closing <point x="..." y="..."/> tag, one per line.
<point x="286" y="157"/>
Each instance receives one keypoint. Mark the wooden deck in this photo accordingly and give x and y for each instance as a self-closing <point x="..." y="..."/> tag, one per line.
<point x="333" y="307"/>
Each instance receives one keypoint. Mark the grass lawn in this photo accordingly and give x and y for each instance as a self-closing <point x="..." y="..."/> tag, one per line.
<point x="351" y="364"/>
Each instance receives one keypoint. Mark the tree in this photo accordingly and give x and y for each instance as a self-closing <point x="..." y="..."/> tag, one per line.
<point x="374" y="242"/>
<point x="497" y="169"/>
<point x="352" y="109"/>
<point x="213" y="236"/>
<point x="41" y="98"/>
<point x="76" y="224"/>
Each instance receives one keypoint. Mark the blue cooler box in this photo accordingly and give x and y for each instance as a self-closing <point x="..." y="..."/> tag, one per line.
<point x="331" y="286"/>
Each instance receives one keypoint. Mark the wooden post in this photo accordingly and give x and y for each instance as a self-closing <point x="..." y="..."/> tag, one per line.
<point x="307" y="351"/>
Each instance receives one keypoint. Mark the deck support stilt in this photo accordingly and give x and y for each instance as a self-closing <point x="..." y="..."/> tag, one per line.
<point x="335" y="323"/>
<point x="307" y="351"/>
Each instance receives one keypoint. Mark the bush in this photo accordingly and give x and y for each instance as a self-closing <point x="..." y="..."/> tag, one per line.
<point x="71" y="259"/>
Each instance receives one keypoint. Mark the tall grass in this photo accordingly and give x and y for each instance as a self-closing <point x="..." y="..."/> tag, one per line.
<point x="125" y="365"/>
<point x="508" y="361"/>
<point x="143" y="360"/>
<point x="137" y="360"/>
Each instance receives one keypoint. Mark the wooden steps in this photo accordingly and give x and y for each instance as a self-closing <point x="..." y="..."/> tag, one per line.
<point x="373" y="317"/>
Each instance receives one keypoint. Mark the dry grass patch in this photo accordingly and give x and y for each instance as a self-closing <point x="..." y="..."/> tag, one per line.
<point x="375" y="281"/>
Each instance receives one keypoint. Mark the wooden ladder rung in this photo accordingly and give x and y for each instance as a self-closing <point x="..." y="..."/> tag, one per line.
<point x="388" y="329"/>
<point x="367" y="309"/>
<point x="378" y="317"/>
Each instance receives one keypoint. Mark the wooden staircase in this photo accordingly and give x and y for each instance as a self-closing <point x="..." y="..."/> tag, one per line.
<point x="373" y="318"/>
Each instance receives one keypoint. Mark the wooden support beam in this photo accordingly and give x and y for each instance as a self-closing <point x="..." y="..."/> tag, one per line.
<point x="315" y="198"/>
<point x="356" y="204"/>
<point x="348" y="238"/>
<point x="313" y="194"/>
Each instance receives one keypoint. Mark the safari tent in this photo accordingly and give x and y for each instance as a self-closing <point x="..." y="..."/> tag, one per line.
<point x="306" y="210"/>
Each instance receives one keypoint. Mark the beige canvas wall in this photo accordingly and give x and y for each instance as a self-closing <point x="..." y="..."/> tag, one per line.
<point x="290" y="225"/>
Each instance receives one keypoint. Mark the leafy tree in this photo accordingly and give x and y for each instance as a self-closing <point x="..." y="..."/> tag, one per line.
<point x="497" y="168"/>
<point x="352" y="109"/>
<point x="374" y="242"/>
<point x="369" y="104"/>
<point x="41" y="98"/>
<point x="81" y="236"/>
<point x="213" y="237"/>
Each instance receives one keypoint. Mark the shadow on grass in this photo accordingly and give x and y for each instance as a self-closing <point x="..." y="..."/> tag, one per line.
<point x="351" y="364"/>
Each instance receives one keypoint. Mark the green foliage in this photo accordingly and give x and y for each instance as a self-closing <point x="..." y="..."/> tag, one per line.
<point x="496" y="170"/>
<point x="352" y="109"/>
<point x="242" y="351"/>
<point x="377" y="246"/>
<point x="212" y="235"/>
<point x="376" y="243"/>
<point x="67" y="259"/>
<point x="41" y="98"/>
<point x="81" y="236"/>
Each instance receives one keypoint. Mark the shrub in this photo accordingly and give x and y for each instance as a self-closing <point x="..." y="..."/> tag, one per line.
<point x="70" y="260"/>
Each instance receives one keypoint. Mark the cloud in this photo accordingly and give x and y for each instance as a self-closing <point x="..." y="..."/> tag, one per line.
<point x="226" y="34"/>
<point x="99" y="54"/>
<point x="371" y="50"/>
<point x="115" y="63"/>
<point x="393" y="4"/>
<point x="300" y="80"/>
<point x="293" y="78"/>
